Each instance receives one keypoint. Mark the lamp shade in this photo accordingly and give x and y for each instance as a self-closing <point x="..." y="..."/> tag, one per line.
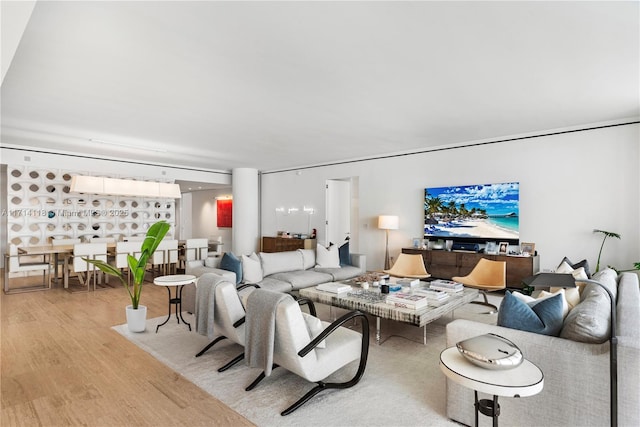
<point x="124" y="187"/>
<point x="388" y="222"/>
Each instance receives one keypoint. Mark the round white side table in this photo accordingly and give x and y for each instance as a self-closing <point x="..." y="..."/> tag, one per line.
<point x="525" y="380"/>
<point x="178" y="281"/>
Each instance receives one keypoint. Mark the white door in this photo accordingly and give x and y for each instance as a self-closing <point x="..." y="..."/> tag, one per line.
<point x="338" y="202"/>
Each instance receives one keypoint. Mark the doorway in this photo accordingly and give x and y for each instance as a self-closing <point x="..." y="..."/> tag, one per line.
<point x="341" y="211"/>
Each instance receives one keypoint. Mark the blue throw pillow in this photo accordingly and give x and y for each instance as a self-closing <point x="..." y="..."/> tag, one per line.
<point x="542" y="317"/>
<point x="343" y="253"/>
<point x="230" y="262"/>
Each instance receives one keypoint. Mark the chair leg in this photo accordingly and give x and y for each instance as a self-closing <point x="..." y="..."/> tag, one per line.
<point x="317" y="389"/>
<point x="364" y="354"/>
<point x="323" y="386"/>
<point x="486" y="303"/>
<point x="211" y="344"/>
<point x="258" y="379"/>
<point x="232" y="362"/>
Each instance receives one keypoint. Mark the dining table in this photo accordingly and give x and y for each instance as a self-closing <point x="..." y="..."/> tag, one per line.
<point x="57" y="251"/>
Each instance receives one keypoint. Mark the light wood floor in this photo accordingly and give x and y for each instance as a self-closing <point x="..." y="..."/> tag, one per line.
<point x="62" y="365"/>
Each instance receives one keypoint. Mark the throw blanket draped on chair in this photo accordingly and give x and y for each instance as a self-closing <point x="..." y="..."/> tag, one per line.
<point x="205" y="303"/>
<point x="260" y="328"/>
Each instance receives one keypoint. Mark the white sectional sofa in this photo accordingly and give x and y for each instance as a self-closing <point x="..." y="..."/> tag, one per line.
<point x="281" y="271"/>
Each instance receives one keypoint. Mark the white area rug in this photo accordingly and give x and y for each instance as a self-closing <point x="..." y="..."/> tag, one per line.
<point x="402" y="384"/>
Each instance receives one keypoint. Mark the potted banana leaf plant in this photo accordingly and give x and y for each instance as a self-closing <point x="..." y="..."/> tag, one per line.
<point x="136" y="313"/>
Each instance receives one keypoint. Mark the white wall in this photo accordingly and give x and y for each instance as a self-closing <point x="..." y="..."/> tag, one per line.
<point x="204" y="217"/>
<point x="569" y="184"/>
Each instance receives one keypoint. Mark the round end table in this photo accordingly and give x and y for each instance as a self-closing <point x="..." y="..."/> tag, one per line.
<point x="522" y="381"/>
<point x="178" y="281"/>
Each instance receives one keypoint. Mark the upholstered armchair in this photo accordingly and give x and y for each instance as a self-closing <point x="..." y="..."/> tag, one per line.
<point x="486" y="276"/>
<point x="409" y="265"/>
<point x="220" y="313"/>
<point x="302" y="343"/>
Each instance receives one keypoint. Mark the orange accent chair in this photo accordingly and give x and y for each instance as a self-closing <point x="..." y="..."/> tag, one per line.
<point x="486" y="276"/>
<point x="409" y="265"/>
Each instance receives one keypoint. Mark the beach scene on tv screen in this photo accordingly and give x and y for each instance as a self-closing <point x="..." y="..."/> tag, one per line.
<point x="488" y="211"/>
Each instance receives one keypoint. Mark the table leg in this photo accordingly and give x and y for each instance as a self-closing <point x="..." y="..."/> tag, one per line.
<point x="169" y="315"/>
<point x="424" y="338"/>
<point x="177" y="301"/>
<point x="179" y="306"/>
<point x="65" y="272"/>
<point x="377" y="330"/>
<point x="487" y="407"/>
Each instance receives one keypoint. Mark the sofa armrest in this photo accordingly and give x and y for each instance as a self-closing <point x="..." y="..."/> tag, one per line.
<point x="360" y="261"/>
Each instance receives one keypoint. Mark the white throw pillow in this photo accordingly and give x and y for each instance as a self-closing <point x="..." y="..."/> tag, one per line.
<point x="327" y="258"/>
<point x="572" y="294"/>
<point x="314" y="326"/>
<point x="251" y="269"/>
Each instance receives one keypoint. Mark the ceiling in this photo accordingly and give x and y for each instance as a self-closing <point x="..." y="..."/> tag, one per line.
<point x="280" y="85"/>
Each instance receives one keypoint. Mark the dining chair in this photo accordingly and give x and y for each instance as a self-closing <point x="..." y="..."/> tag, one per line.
<point x="123" y="249"/>
<point x="62" y="262"/>
<point x="96" y="251"/>
<point x="486" y="276"/>
<point x="165" y="258"/>
<point x="15" y="265"/>
<point x="215" y="244"/>
<point x="194" y="249"/>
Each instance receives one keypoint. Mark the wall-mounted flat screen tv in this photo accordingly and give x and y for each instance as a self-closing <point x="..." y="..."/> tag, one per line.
<point x="473" y="213"/>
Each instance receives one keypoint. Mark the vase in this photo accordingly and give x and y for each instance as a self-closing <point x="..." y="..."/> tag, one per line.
<point x="137" y="318"/>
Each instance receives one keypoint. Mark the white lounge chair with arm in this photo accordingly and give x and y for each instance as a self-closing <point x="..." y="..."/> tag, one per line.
<point x="312" y="355"/>
<point x="220" y="313"/>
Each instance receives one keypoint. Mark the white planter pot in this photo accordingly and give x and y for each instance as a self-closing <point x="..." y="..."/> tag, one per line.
<point x="137" y="319"/>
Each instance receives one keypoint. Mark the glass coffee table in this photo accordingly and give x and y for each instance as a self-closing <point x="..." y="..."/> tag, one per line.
<point x="367" y="303"/>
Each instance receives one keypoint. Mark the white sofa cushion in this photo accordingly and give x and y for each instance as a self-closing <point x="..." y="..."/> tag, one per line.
<point x="280" y="262"/>
<point x="308" y="258"/>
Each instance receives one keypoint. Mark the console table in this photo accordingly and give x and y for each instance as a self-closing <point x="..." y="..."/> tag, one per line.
<point x="446" y="264"/>
<point x="282" y="244"/>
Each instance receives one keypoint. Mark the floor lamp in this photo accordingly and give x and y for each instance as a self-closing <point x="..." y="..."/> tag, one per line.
<point x="387" y="222"/>
<point x="557" y="280"/>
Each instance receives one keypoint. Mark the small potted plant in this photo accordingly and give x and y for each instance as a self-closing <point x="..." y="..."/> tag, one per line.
<point x="136" y="313"/>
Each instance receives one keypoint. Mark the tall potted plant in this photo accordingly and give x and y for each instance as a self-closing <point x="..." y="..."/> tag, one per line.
<point x="136" y="313"/>
<point x="606" y="234"/>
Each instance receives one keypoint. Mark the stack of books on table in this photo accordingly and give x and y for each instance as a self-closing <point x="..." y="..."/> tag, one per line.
<point x="434" y="298"/>
<point x="405" y="300"/>
<point x="409" y="283"/>
<point x="446" y="286"/>
<point x="334" y="287"/>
